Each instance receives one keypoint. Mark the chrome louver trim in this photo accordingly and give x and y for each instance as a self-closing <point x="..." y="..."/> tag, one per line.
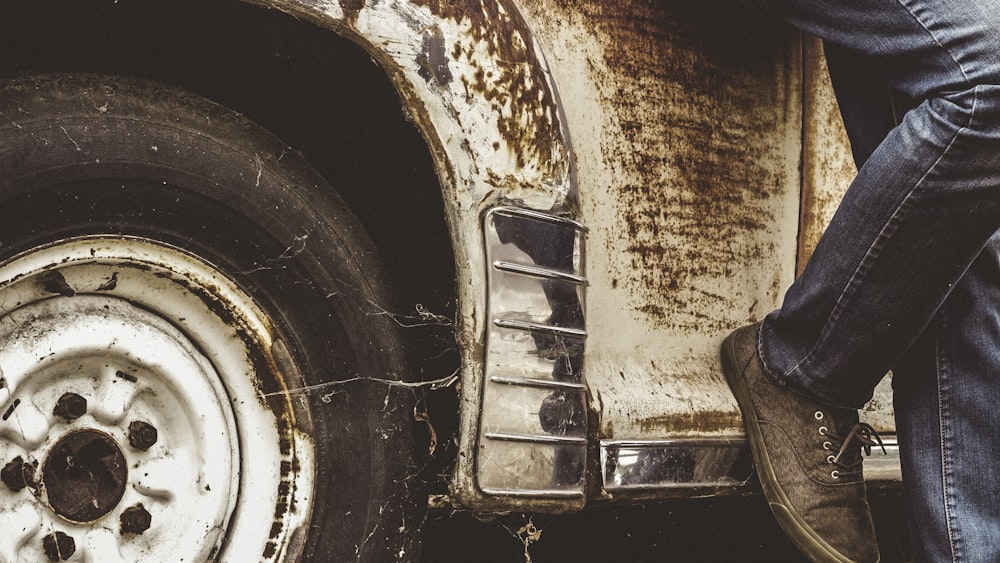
<point x="531" y="382"/>
<point x="538" y="272"/>
<point x="533" y="424"/>
<point x="540" y="327"/>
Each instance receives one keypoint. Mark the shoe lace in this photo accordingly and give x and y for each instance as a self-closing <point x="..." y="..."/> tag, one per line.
<point x="861" y="438"/>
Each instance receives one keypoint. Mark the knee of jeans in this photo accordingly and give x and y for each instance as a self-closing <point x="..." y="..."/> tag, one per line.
<point x="976" y="109"/>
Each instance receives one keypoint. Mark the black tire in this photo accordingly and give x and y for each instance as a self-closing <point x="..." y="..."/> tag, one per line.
<point x="83" y="155"/>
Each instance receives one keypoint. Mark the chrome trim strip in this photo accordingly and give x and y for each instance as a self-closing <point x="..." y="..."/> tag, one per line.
<point x="540" y="327"/>
<point x="642" y="466"/>
<point x="538" y="216"/>
<point x="679" y="442"/>
<point x="536" y="272"/>
<point x="537" y="439"/>
<point x="880" y="467"/>
<point x="646" y="466"/>
<point x="551" y="493"/>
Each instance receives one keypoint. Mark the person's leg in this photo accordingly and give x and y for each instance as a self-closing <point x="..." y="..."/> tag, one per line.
<point x="926" y="200"/>
<point x="946" y="392"/>
<point x="922" y="207"/>
<point x="948" y="383"/>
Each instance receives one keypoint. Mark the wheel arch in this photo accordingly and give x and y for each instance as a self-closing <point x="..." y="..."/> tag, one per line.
<point x="467" y="75"/>
<point x="473" y="81"/>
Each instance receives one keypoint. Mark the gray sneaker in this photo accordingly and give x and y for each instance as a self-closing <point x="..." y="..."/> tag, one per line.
<point x="808" y="458"/>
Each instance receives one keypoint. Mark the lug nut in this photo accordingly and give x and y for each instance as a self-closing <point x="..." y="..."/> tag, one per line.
<point x="17" y="474"/>
<point x="12" y="475"/>
<point x="141" y="435"/>
<point x="70" y="406"/>
<point x="135" y="520"/>
<point x="59" y="546"/>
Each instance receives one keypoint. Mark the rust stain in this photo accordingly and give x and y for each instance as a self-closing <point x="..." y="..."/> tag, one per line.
<point x="515" y="85"/>
<point x="694" y="97"/>
<point x="701" y="421"/>
<point x="692" y="84"/>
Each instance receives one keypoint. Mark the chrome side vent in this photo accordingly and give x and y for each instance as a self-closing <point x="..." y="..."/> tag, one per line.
<point x="533" y="425"/>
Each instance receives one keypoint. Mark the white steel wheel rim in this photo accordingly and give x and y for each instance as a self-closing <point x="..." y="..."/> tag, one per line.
<point x="146" y="333"/>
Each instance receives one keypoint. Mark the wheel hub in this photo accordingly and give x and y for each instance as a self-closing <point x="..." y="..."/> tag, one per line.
<point x="119" y="434"/>
<point x="85" y="475"/>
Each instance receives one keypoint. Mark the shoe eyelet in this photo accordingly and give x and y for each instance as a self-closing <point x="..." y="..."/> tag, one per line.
<point x="822" y="430"/>
<point x="819" y="415"/>
<point x="827" y="445"/>
<point x="831" y="458"/>
<point x="835" y="474"/>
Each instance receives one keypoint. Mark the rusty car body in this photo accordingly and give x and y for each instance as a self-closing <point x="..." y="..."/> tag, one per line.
<point x="621" y="184"/>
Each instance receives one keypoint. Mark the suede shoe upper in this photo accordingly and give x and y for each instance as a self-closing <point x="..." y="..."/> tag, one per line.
<point x="808" y="457"/>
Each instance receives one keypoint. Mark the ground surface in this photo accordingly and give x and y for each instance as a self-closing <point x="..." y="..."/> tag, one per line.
<point x="738" y="530"/>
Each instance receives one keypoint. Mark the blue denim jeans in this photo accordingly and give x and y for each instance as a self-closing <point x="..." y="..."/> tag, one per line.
<point x="907" y="276"/>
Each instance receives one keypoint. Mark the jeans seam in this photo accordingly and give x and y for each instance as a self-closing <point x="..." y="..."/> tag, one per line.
<point x="940" y="367"/>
